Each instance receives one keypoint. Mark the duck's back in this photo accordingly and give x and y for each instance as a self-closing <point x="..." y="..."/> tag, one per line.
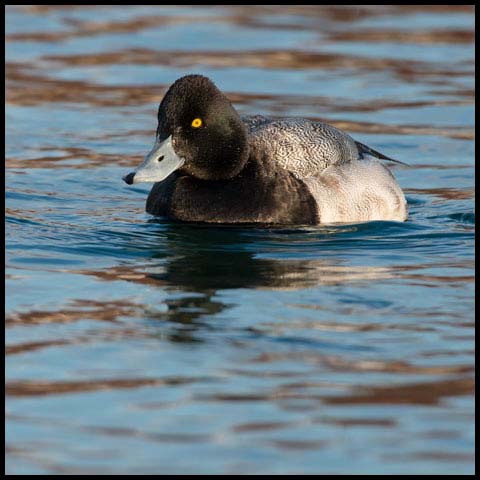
<point x="301" y="146"/>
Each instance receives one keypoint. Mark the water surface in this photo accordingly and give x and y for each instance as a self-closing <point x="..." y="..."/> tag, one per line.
<point x="139" y="345"/>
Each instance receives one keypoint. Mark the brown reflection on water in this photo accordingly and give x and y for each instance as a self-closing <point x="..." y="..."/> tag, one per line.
<point x="88" y="28"/>
<point x="76" y="311"/>
<point x="401" y="36"/>
<point x="27" y="88"/>
<point x="89" y="159"/>
<point x="103" y="311"/>
<point x="431" y="393"/>
<point x="445" y="193"/>
<point x="456" y="132"/>
<point x="359" y="422"/>
<point x="151" y="436"/>
<point x="260" y="426"/>
<point x="22" y="388"/>
<point x="338" y="363"/>
<point x="301" y="445"/>
<point x="32" y="346"/>
<point x="312" y="395"/>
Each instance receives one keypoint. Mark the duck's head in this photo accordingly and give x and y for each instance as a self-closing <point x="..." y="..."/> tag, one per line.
<point x="199" y="132"/>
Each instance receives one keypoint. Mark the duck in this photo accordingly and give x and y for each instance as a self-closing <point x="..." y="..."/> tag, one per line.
<point x="211" y="165"/>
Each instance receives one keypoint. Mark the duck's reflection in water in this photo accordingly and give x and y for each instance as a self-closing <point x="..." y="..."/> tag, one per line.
<point x="196" y="262"/>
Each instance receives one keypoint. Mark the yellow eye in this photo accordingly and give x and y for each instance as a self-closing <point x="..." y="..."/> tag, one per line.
<point x="197" y="123"/>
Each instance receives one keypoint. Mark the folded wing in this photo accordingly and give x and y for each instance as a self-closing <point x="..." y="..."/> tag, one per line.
<point x="301" y="146"/>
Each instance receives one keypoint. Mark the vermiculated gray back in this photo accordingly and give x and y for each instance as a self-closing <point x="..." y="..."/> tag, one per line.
<point x="301" y="146"/>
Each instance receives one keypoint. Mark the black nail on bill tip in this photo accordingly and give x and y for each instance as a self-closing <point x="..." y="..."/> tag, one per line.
<point x="128" y="179"/>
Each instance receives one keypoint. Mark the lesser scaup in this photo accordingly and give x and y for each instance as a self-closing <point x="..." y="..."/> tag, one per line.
<point x="211" y="165"/>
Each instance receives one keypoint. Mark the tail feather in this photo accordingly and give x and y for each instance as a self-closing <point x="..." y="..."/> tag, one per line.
<point x="364" y="150"/>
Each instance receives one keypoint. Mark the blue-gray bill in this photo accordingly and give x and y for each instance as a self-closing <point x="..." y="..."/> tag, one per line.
<point x="158" y="164"/>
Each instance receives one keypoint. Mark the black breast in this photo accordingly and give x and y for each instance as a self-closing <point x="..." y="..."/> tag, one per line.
<point x="261" y="193"/>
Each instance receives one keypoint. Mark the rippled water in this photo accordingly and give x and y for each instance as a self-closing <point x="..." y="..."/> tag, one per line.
<point x="138" y="345"/>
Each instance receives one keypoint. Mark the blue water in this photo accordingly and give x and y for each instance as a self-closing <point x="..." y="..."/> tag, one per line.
<point x="140" y="345"/>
